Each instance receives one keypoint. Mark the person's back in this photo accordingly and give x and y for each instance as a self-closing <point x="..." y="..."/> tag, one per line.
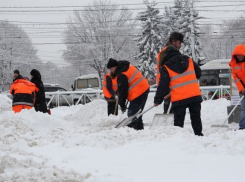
<point x="23" y="92"/>
<point x="179" y="76"/>
<point x="40" y="104"/>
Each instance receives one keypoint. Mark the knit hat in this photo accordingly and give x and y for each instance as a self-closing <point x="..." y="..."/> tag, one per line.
<point x="176" y="36"/>
<point x="111" y="63"/>
<point x="17" y="72"/>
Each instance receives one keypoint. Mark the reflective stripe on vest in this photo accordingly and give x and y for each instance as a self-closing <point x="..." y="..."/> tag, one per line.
<point x="23" y="103"/>
<point x="183" y="74"/>
<point x="183" y="84"/>
<point x="238" y="68"/>
<point x="237" y="80"/>
<point x="178" y="83"/>
<point x="137" y="84"/>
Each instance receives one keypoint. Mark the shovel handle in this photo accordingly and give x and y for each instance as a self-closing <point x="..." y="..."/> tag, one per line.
<point x="144" y="112"/>
<point x="167" y="96"/>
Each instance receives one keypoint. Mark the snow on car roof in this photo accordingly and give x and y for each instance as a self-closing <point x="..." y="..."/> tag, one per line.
<point x="51" y="84"/>
<point x="216" y="64"/>
<point x="88" y="76"/>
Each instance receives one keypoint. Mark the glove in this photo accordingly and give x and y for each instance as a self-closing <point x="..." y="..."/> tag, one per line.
<point x="123" y="109"/>
<point x="116" y="97"/>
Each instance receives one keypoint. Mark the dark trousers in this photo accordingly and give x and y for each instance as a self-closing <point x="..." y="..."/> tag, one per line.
<point x="136" y="105"/>
<point x="195" y="115"/>
<point x="111" y="108"/>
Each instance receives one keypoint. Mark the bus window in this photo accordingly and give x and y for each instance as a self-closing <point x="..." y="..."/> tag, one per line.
<point x="214" y="77"/>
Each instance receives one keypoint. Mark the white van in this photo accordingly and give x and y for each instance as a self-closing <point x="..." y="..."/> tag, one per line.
<point x="89" y="82"/>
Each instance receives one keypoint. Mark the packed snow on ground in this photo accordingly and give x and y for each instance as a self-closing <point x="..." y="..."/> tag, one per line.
<point x="80" y="143"/>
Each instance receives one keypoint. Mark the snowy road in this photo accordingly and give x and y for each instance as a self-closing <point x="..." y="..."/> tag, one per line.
<point x="80" y="143"/>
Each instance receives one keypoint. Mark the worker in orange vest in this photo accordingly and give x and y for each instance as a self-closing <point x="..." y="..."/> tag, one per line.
<point x="179" y="76"/>
<point x="132" y="86"/>
<point x="23" y="92"/>
<point x="175" y="39"/>
<point x="238" y="71"/>
<point x="110" y="89"/>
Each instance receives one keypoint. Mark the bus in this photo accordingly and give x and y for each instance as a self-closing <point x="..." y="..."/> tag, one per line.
<point x="215" y="73"/>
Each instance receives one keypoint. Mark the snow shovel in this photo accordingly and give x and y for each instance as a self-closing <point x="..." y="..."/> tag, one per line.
<point x="226" y="126"/>
<point x="163" y="119"/>
<point x="129" y="120"/>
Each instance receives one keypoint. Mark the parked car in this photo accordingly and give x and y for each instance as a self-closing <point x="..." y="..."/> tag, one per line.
<point x="62" y="100"/>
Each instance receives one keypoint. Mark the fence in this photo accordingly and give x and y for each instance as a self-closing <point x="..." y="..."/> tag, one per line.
<point x="71" y="97"/>
<point x="75" y="97"/>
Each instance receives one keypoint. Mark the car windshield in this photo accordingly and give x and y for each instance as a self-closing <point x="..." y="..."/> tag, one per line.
<point x="87" y="83"/>
<point x="53" y="89"/>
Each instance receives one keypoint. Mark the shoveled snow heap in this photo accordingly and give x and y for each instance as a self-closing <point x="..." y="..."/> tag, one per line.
<point x="80" y="143"/>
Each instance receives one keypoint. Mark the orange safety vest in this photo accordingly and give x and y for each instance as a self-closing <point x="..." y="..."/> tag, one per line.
<point x="185" y="85"/>
<point x="158" y="64"/>
<point x="238" y="69"/>
<point x="137" y="84"/>
<point x="114" y="86"/>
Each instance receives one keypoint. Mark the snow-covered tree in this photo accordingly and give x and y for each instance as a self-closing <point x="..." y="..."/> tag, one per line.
<point x="150" y="41"/>
<point x="179" y="18"/>
<point x="101" y="31"/>
<point x="16" y="51"/>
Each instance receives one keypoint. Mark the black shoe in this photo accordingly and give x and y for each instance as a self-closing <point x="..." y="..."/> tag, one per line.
<point x="241" y="128"/>
<point x="200" y="134"/>
<point x="136" y="126"/>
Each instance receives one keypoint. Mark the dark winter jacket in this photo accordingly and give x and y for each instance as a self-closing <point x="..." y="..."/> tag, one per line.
<point x="122" y="82"/>
<point x="40" y="103"/>
<point x="179" y="64"/>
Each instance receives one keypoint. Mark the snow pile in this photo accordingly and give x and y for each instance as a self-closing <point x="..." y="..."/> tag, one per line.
<point x="92" y="114"/>
<point x="80" y="143"/>
<point x="12" y="169"/>
<point x="5" y="103"/>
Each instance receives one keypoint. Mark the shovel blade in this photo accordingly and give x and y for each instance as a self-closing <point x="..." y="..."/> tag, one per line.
<point x="127" y="121"/>
<point x="162" y="120"/>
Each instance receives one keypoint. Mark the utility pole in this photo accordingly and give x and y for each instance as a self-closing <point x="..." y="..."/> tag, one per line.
<point x="192" y="34"/>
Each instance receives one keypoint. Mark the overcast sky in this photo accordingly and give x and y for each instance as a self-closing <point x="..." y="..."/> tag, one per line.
<point x="53" y="52"/>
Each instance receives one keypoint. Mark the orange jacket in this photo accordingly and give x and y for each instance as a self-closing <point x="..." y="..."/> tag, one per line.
<point x="185" y="85"/>
<point x="137" y="84"/>
<point x="158" y="64"/>
<point x="23" y="92"/>
<point x="114" y="86"/>
<point x="238" y="68"/>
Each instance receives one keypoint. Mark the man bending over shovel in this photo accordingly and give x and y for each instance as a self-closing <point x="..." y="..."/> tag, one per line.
<point x="179" y="76"/>
<point x="132" y="86"/>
